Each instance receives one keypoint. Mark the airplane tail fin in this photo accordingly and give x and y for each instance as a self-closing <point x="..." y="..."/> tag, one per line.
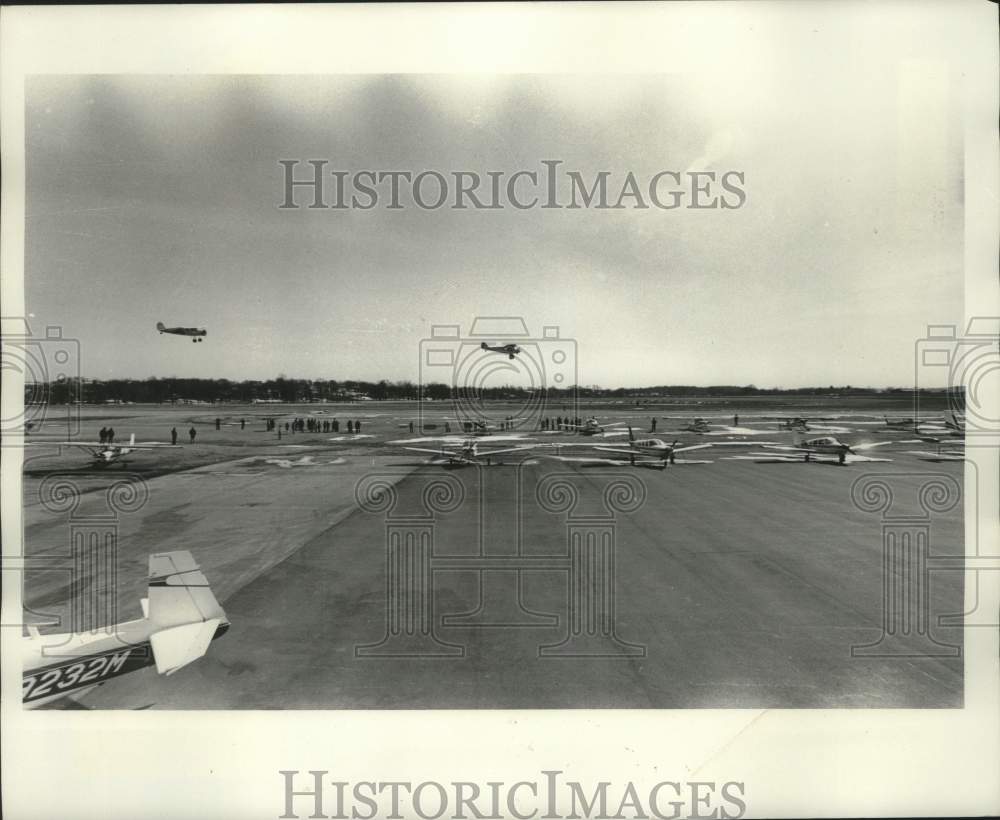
<point x="483" y="345"/>
<point x="131" y="440"/>
<point x="160" y="326"/>
<point x="182" y="609"/>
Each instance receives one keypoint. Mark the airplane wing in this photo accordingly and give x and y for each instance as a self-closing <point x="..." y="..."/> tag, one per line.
<point x="507" y="450"/>
<point x="441" y="453"/>
<point x="691" y="447"/>
<point x="586" y="459"/>
<point x="869" y="445"/>
<point x="944" y="455"/>
<point x="628" y="451"/>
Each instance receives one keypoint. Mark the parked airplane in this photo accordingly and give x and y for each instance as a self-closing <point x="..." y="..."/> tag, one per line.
<point x="469" y="453"/>
<point x="197" y="332"/>
<point x="592" y="427"/>
<point x="511" y="349"/>
<point x="824" y="446"/>
<point x="699" y="425"/>
<point x="900" y="424"/>
<point x="181" y="617"/>
<point x="105" y="454"/>
<point x="650" y="451"/>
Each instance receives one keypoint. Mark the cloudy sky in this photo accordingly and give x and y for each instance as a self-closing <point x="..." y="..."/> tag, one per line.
<point x="154" y="198"/>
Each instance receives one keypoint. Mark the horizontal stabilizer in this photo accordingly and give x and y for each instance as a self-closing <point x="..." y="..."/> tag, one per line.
<point x="178" y="592"/>
<point x="176" y="647"/>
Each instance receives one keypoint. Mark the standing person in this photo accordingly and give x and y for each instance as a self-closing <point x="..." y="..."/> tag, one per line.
<point x="350" y="426"/>
<point x="104" y="434"/>
<point x="279" y="434"/>
<point x="111" y="435"/>
<point x="218" y="423"/>
<point x="243" y="424"/>
<point x="736" y="420"/>
<point x="192" y="433"/>
<point x="653" y="428"/>
<point x="173" y="435"/>
<point x="336" y="426"/>
<point x="447" y="426"/>
<point x="357" y="426"/>
<point x="411" y="428"/>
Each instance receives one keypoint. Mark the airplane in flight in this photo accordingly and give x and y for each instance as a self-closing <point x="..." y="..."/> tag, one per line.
<point x="651" y="451"/>
<point x="198" y="333"/>
<point x="180" y="618"/>
<point x="105" y="454"/>
<point x="469" y="453"/>
<point x="511" y="350"/>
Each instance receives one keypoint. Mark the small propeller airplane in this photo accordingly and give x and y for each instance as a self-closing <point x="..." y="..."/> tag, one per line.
<point x="468" y="453"/>
<point x="822" y="446"/>
<point x="105" y="454"/>
<point x="510" y="350"/>
<point x="900" y="424"/>
<point x="197" y="332"/>
<point x="699" y="425"/>
<point x="651" y="451"/>
<point x="180" y="618"/>
<point x="592" y="427"/>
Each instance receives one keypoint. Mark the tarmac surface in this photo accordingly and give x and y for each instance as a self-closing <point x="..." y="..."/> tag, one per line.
<point x="358" y="575"/>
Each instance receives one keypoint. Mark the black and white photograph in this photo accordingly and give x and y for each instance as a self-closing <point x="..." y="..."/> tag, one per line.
<point x="444" y="385"/>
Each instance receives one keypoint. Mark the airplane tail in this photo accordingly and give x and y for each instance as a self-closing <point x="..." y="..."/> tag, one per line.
<point x="182" y="610"/>
<point x="161" y="327"/>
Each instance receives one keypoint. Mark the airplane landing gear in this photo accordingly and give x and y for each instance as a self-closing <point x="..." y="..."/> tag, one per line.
<point x="842" y="459"/>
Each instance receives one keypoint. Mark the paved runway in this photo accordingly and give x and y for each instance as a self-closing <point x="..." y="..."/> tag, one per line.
<point x="734" y="584"/>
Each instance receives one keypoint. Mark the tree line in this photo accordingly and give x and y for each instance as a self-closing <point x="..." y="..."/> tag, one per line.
<point x="281" y="389"/>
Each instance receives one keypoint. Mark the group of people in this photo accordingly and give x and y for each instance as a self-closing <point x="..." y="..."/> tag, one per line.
<point x="561" y="423"/>
<point x="107" y="435"/>
<point x="311" y="425"/>
<point x="191" y="434"/>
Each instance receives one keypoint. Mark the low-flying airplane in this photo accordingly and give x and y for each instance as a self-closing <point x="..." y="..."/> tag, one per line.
<point x="511" y="350"/>
<point x="654" y="451"/>
<point x="105" y="454"/>
<point x="180" y="618"/>
<point x="197" y="332"/>
<point x="469" y="453"/>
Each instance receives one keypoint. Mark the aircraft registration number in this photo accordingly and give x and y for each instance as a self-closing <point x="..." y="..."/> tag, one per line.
<point x="81" y="672"/>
